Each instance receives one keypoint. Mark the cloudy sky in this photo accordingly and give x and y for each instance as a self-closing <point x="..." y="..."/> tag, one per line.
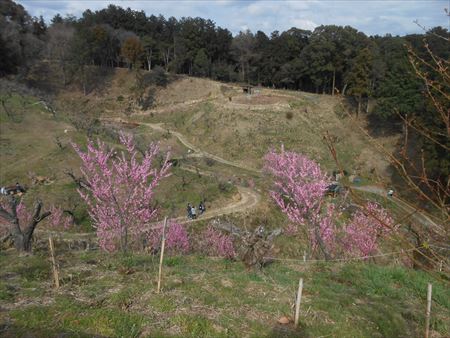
<point x="370" y="16"/>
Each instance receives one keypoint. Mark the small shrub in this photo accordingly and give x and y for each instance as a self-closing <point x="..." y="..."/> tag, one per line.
<point x="57" y="219"/>
<point x="120" y="98"/>
<point x="177" y="238"/>
<point x="147" y="101"/>
<point x="209" y="161"/>
<point x="156" y="77"/>
<point x="215" y="243"/>
<point x="225" y="186"/>
<point x="289" y="115"/>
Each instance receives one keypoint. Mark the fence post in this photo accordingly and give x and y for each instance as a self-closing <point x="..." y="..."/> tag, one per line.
<point x="298" y="301"/>
<point x="54" y="266"/>
<point x="427" y="321"/>
<point x="163" y="243"/>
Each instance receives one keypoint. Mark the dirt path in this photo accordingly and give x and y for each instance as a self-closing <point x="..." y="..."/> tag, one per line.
<point x="248" y="200"/>
<point x="415" y="213"/>
<point x="197" y="152"/>
<point x="174" y="106"/>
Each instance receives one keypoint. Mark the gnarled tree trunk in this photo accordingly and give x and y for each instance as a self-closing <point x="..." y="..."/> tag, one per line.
<point x="22" y="236"/>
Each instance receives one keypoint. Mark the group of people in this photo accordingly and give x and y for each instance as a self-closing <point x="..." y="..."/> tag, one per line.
<point x="192" y="211"/>
<point x="13" y="189"/>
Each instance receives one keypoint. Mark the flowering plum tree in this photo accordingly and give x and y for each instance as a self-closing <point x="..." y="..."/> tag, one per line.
<point x="120" y="189"/>
<point x="365" y="228"/>
<point x="299" y="191"/>
<point x="214" y="243"/>
<point x="57" y="218"/>
<point x="177" y="238"/>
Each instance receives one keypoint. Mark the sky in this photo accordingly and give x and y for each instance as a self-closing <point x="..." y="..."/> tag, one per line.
<point x="370" y="16"/>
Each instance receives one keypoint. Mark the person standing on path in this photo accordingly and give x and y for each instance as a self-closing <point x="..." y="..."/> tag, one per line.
<point x="189" y="211"/>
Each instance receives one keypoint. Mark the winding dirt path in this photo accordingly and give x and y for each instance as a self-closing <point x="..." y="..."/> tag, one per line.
<point x="197" y="152"/>
<point x="415" y="213"/>
<point x="248" y="198"/>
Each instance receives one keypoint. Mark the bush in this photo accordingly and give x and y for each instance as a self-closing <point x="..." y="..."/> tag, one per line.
<point x="156" y="77"/>
<point x="225" y="186"/>
<point x="147" y="101"/>
<point x="289" y="115"/>
<point x="177" y="238"/>
<point x="214" y="243"/>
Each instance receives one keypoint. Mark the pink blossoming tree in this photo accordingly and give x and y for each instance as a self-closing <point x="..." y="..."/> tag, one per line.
<point x="213" y="242"/>
<point x="299" y="191"/>
<point x="177" y="238"/>
<point x="300" y="187"/>
<point x="58" y="220"/>
<point x="366" y="227"/>
<point x="120" y="190"/>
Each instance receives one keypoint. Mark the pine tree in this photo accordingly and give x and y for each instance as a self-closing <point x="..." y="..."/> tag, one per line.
<point x="358" y="78"/>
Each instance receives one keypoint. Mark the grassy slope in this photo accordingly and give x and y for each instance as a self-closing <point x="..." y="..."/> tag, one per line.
<point x="206" y="297"/>
<point x="203" y="296"/>
<point x="243" y="130"/>
<point x="28" y="144"/>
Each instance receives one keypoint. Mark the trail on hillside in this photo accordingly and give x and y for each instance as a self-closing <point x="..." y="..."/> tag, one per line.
<point x="197" y="152"/>
<point x="248" y="198"/>
<point x="415" y="213"/>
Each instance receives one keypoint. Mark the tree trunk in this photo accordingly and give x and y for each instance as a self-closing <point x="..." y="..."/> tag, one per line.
<point x="334" y="82"/>
<point x="22" y="239"/>
<point x="321" y="244"/>
<point x="149" y="60"/>
<point x="343" y="89"/>
<point x="359" y="105"/>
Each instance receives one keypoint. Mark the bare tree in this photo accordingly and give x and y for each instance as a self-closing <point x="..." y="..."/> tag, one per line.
<point x="58" y="48"/>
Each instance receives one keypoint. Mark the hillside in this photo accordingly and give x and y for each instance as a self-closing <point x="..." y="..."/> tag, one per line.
<point x="218" y="137"/>
<point x="224" y="121"/>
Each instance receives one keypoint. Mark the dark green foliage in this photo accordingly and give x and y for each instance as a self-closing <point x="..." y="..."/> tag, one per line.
<point x="157" y="77"/>
<point x="331" y="59"/>
<point x="398" y="90"/>
<point x="147" y="100"/>
<point x="201" y="63"/>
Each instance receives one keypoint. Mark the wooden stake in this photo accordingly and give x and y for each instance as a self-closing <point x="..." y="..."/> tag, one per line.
<point x="298" y="301"/>
<point x="427" y="321"/>
<point x="163" y="243"/>
<point x="304" y="255"/>
<point x="55" y="268"/>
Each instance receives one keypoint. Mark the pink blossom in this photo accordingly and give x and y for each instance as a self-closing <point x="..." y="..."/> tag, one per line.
<point x="365" y="228"/>
<point x="299" y="184"/>
<point x="120" y="190"/>
<point x="177" y="238"/>
<point x="57" y="218"/>
<point x="300" y="193"/>
<point x="212" y="242"/>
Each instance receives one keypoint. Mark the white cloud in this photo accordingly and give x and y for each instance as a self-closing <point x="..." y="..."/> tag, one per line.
<point x="372" y="17"/>
<point x="304" y="24"/>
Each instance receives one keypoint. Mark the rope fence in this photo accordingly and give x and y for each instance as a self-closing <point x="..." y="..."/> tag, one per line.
<point x="302" y="261"/>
